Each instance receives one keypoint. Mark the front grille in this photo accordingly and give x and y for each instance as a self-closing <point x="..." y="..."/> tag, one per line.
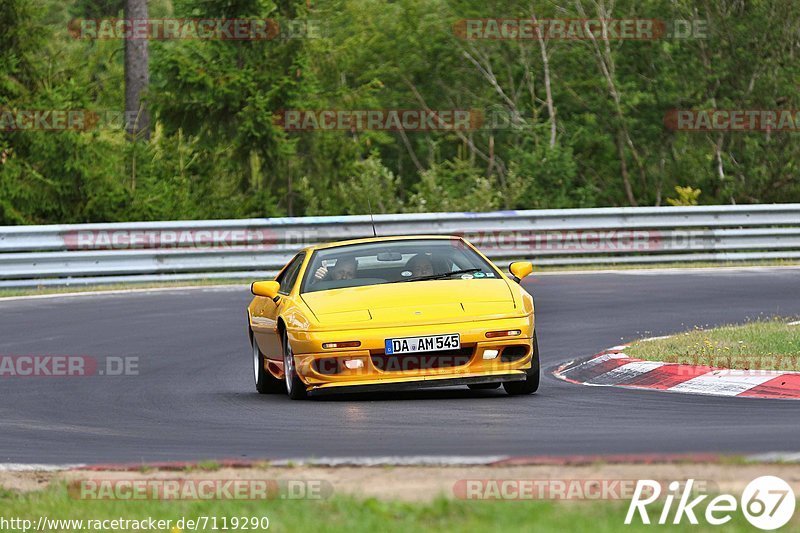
<point x="422" y="360"/>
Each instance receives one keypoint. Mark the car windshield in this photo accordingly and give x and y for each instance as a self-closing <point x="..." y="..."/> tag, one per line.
<point x="399" y="261"/>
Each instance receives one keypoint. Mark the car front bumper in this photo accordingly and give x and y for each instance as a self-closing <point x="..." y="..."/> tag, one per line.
<point x="324" y="371"/>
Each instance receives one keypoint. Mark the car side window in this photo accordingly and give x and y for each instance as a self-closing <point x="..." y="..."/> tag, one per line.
<point x="289" y="275"/>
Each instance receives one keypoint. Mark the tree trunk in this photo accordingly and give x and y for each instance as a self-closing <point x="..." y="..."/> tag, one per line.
<point x="137" y="76"/>
<point x="551" y="110"/>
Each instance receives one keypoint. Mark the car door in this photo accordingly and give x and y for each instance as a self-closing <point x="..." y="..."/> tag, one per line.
<point x="266" y="312"/>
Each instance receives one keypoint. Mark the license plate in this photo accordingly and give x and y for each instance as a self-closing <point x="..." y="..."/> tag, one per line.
<point x="429" y="343"/>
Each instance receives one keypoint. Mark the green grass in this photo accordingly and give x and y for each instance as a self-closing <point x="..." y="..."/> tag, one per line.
<point x="760" y="345"/>
<point x="203" y="466"/>
<point x="348" y="514"/>
<point x="676" y="264"/>
<point x="6" y="293"/>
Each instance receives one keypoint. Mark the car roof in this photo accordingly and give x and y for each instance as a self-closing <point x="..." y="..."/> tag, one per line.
<point x="379" y="239"/>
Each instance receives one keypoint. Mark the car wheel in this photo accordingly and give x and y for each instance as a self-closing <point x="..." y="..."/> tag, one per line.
<point x="531" y="383"/>
<point x="484" y="386"/>
<point x="266" y="383"/>
<point x="295" y="388"/>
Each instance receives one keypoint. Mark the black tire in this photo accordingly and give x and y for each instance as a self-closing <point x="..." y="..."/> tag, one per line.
<point x="484" y="386"/>
<point x="266" y="383"/>
<point x="531" y="383"/>
<point x="295" y="388"/>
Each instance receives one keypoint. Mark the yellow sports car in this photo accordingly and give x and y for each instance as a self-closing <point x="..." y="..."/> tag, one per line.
<point x="393" y="313"/>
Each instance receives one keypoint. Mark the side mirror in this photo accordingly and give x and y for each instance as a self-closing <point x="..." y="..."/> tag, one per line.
<point x="520" y="269"/>
<point x="267" y="289"/>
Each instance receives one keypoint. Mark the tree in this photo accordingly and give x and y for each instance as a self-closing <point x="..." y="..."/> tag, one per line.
<point x="137" y="76"/>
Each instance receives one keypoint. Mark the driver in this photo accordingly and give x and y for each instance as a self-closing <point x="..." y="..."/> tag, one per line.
<point x="345" y="268"/>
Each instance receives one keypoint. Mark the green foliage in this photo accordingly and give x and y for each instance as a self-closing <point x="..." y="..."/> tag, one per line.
<point x="20" y="36"/>
<point x="686" y="196"/>
<point x="370" y="185"/>
<point x="544" y="177"/>
<point x="94" y="9"/>
<point x="455" y="186"/>
<point x="216" y="151"/>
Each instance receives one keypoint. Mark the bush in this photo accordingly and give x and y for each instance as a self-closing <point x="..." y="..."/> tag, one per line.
<point x="455" y="185"/>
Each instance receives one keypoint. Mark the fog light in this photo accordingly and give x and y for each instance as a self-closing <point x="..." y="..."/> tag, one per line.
<point x="353" y="364"/>
<point x="490" y="354"/>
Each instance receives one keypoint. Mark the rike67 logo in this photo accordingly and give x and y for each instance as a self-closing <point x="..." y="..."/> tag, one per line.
<point x="767" y="503"/>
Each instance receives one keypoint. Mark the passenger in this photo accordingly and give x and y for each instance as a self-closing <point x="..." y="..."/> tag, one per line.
<point x="345" y="268"/>
<point x="420" y="265"/>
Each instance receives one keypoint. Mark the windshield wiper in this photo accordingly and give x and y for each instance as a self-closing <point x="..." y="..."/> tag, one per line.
<point x="442" y="276"/>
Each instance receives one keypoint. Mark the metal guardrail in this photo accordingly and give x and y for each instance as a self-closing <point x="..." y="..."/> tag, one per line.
<point x="257" y="248"/>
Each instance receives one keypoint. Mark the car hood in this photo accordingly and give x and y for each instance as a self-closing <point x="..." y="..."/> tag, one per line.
<point x="417" y="302"/>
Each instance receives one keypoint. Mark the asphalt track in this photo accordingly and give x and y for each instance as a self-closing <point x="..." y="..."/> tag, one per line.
<point x="194" y="398"/>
